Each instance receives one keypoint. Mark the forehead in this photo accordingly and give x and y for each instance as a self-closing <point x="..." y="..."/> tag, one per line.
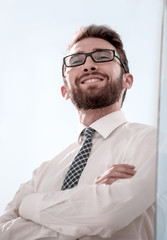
<point x="90" y="45"/>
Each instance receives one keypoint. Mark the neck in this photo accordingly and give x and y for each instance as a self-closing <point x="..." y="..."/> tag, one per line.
<point x="87" y="117"/>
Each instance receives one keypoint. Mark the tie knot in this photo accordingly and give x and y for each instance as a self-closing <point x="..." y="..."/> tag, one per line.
<point x="88" y="132"/>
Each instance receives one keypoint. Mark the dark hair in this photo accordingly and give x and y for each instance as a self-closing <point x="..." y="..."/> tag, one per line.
<point x="106" y="33"/>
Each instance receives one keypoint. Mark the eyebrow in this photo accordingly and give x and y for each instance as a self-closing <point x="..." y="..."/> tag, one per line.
<point x="94" y="49"/>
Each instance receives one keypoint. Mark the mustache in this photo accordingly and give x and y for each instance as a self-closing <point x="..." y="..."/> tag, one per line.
<point x="91" y="74"/>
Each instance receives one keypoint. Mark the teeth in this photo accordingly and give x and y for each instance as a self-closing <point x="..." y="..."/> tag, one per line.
<point x="91" y="80"/>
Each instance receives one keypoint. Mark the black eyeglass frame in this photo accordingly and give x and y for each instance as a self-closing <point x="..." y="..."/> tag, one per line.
<point x="115" y="54"/>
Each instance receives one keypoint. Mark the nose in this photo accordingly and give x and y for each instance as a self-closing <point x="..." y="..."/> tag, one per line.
<point x="89" y="65"/>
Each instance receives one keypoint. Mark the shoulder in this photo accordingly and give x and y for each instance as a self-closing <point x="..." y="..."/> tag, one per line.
<point x="56" y="160"/>
<point x="139" y="128"/>
<point x="141" y="133"/>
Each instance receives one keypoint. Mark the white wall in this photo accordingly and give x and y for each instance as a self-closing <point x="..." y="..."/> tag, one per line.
<point x="35" y="121"/>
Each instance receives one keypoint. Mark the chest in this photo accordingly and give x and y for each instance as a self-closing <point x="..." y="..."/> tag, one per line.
<point x="104" y="153"/>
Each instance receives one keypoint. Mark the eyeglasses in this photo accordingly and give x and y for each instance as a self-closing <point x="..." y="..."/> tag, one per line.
<point x="98" y="56"/>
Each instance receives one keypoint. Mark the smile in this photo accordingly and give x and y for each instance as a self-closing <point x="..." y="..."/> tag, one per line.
<point x="91" y="80"/>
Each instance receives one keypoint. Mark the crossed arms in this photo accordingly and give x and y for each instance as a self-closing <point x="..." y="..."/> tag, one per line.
<point x="60" y="212"/>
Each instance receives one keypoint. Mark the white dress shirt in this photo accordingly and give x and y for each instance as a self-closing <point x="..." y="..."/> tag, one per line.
<point x="123" y="210"/>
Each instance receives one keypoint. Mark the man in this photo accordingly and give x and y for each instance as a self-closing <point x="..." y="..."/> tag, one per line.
<point x="111" y="194"/>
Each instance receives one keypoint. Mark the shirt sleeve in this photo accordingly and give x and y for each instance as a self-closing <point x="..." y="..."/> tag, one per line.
<point x="11" y="211"/>
<point x="97" y="209"/>
<point x="20" y="228"/>
<point x="14" y="227"/>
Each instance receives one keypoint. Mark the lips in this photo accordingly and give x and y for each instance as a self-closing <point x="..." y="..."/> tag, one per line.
<point x="90" y="80"/>
<point x="86" y="79"/>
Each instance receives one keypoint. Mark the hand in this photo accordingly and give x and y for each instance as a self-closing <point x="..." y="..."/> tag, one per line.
<point x="117" y="171"/>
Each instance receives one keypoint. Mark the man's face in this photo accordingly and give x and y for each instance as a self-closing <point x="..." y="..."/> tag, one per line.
<point x="93" y="85"/>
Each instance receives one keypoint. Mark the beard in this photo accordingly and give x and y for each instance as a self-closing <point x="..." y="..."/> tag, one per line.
<point x="94" y="98"/>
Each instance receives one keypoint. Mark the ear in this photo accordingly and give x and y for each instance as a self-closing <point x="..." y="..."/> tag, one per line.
<point x="64" y="92"/>
<point x="127" y="80"/>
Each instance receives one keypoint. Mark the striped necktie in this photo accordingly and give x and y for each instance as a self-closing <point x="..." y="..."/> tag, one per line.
<point x="80" y="160"/>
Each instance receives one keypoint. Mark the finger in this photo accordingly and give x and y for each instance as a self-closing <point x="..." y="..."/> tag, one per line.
<point x="123" y="168"/>
<point x="107" y="181"/>
<point x="118" y="172"/>
<point x="124" y="165"/>
<point x="120" y="168"/>
<point x="118" y="175"/>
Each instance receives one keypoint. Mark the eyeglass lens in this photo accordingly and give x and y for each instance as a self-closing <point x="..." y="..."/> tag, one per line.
<point x="97" y="56"/>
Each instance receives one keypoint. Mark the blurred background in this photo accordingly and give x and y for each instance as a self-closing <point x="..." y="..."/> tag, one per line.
<point x="33" y="39"/>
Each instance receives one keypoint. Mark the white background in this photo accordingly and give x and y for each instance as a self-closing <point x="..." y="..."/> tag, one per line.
<point x="36" y="123"/>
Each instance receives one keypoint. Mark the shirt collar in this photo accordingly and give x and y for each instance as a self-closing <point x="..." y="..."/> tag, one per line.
<point x="107" y="124"/>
